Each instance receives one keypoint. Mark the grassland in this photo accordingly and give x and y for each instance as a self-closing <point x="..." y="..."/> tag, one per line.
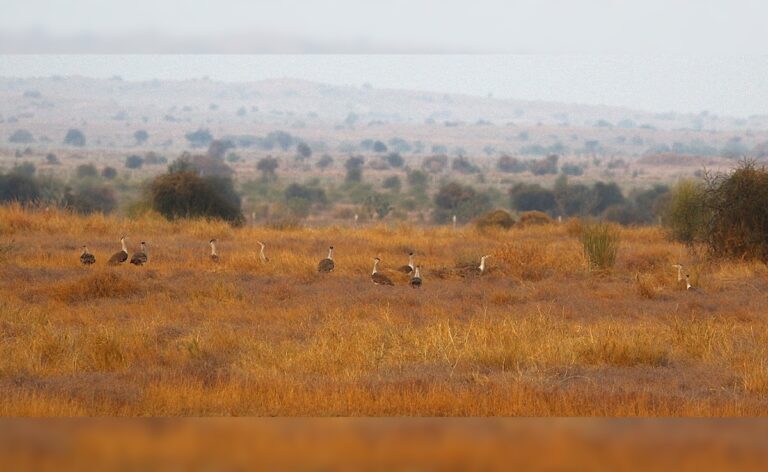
<point x="537" y="335"/>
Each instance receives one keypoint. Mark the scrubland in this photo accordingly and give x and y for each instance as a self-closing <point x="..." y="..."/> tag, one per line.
<point x="537" y="335"/>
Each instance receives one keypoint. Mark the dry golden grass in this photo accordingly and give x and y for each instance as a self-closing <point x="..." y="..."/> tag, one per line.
<point x="537" y="335"/>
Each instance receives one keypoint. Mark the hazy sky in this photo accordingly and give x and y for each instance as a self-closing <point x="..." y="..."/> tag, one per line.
<point x="686" y="83"/>
<point x="483" y="26"/>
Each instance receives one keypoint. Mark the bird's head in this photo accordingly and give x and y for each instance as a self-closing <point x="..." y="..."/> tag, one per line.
<point x="211" y="241"/>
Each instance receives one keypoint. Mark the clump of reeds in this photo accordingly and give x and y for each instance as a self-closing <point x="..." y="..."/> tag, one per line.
<point x="600" y="242"/>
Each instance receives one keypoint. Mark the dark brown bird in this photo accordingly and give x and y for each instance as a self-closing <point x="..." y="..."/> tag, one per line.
<point x="119" y="257"/>
<point x="407" y="269"/>
<point x="214" y="255"/>
<point x="377" y="277"/>
<point x="416" y="279"/>
<point x="327" y="265"/>
<point x="86" y="258"/>
<point x="140" y="258"/>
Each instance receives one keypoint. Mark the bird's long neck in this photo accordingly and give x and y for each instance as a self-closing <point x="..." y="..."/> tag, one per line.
<point x="375" y="267"/>
<point x="143" y="248"/>
<point x="261" y="252"/>
<point x="122" y="243"/>
<point x="688" y="283"/>
<point x="330" y="253"/>
<point x="417" y="274"/>
<point x="213" y="249"/>
<point x="410" y="261"/>
<point x="482" y="264"/>
<point x="85" y="250"/>
<point x="679" y="273"/>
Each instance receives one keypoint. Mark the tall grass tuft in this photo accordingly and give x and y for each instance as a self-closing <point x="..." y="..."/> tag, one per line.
<point x="600" y="242"/>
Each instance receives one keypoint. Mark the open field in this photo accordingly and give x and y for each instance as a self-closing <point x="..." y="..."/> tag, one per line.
<point x="538" y="335"/>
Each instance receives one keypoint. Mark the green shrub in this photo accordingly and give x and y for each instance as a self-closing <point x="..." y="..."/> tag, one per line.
<point x="686" y="212"/>
<point x="600" y="242"/>
<point x="737" y="206"/>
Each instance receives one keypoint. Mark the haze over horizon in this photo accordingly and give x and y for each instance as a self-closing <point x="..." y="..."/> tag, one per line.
<point x="686" y="84"/>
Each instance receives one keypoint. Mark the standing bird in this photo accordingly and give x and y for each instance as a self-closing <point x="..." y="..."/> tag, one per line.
<point x="263" y="258"/>
<point x="326" y="265"/>
<point x="475" y="270"/>
<point x="214" y="256"/>
<point x="377" y="277"/>
<point x="86" y="258"/>
<point x="119" y="257"/>
<point x="140" y="258"/>
<point x="407" y="269"/>
<point x="416" y="279"/>
<point x="679" y="268"/>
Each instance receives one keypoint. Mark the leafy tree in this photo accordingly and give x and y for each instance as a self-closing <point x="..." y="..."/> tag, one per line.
<point x="354" y="167"/>
<point x="572" y="169"/>
<point x="92" y="199"/>
<point x="267" y="166"/>
<point x="545" y="166"/>
<point x="18" y="188"/>
<point x="511" y="165"/>
<point x="153" y="158"/>
<point x="109" y="172"/>
<point x="21" y="136"/>
<point x="607" y="195"/>
<point x="219" y="147"/>
<point x="325" y="161"/>
<point x="378" y="204"/>
<point x="280" y="138"/>
<point x="86" y="170"/>
<point x="686" y="212"/>
<point x="378" y="146"/>
<point x="464" y="166"/>
<point x="188" y="195"/>
<point x="532" y="197"/>
<point x="395" y="159"/>
<point x="25" y="168"/>
<point x="392" y="183"/>
<point x="200" y="138"/>
<point x="141" y="136"/>
<point x="737" y="209"/>
<point x="303" y="151"/>
<point x="134" y="162"/>
<point x="51" y="159"/>
<point x="460" y="200"/>
<point x="301" y="198"/>
<point x="74" y="137"/>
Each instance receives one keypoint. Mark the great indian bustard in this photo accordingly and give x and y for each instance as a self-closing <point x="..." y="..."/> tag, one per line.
<point x="679" y="268"/>
<point x="407" y="269"/>
<point x="121" y="256"/>
<point x="688" y="285"/>
<point x="140" y="258"/>
<point x="214" y="254"/>
<point x="416" y="279"/>
<point x="262" y="257"/>
<point x="377" y="277"/>
<point x="327" y="265"/>
<point x="476" y="270"/>
<point x="86" y="258"/>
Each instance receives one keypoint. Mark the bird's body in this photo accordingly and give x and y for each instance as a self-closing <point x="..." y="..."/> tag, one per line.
<point x="140" y="258"/>
<point x="377" y="277"/>
<point x="121" y="256"/>
<point x="86" y="258"/>
<point x="407" y="269"/>
<point x="416" y="279"/>
<point x="214" y="254"/>
<point x="327" y="264"/>
<point x="476" y="270"/>
<point x="262" y="257"/>
<point x="688" y="286"/>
